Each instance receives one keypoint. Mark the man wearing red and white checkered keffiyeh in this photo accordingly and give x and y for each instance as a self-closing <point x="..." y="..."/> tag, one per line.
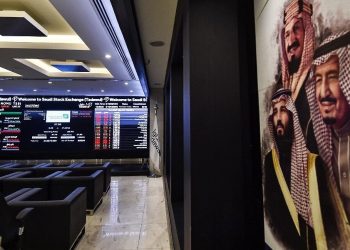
<point x="297" y="48"/>
<point x="328" y="94"/>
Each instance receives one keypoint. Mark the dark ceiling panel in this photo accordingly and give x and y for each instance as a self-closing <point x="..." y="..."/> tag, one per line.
<point x="18" y="26"/>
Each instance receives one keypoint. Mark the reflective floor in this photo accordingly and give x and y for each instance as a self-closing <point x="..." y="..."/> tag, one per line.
<point x="132" y="216"/>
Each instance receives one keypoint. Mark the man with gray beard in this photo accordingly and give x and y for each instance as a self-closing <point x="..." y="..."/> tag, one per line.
<point x="328" y="94"/>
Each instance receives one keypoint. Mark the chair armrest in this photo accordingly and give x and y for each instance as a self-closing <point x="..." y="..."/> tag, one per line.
<point x="54" y="174"/>
<point x="63" y="173"/>
<point x="15" y="194"/>
<point x="11" y="174"/>
<point x="96" y="173"/>
<point x="71" y="165"/>
<point x="39" y="165"/>
<point x="5" y="164"/>
<point x="15" y="165"/>
<point x="43" y="165"/>
<point x="74" y="194"/>
<point x="48" y="164"/>
<point x="79" y="164"/>
<point x="107" y="164"/>
<point x="37" y="204"/>
<point x="21" y="216"/>
<point x="77" y="177"/>
<point x="18" y="174"/>
<point x="14" y="175"/>
<point x="26" y="195"/>
<point x="12" y="165"/>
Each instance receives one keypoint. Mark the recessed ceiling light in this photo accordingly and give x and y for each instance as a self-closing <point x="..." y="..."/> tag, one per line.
<point x="102" y="90"/>
<point x="68" y="90"/>
<point x="108" y="56"/>
<point x="126" y="83"/>
<point x="49" y="82"/>
<point x="157" y="43"/>
<point x="1" y="90"/>
<point x="131" y="91"/>
<point x="35" y="90"/>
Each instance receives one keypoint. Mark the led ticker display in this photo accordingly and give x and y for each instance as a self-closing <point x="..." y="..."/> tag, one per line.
<point x="73" y="127"/>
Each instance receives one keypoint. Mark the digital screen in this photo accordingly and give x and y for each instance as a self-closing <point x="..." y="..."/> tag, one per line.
<point x="73" y="127"/>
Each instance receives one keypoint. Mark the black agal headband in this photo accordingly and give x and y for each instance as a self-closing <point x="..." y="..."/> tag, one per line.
<point x="337" y="43"/>
<point x="280" y="92"/>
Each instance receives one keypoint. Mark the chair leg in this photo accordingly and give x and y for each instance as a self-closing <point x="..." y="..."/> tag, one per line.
<point x="20" y="235"/>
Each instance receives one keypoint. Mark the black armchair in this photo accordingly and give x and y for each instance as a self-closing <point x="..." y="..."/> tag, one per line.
<point x="69" y="180"/>
<point x="12" y="224"/>
<point x="48" y="169"/>
<point x="106" y="168"/>
<point x="53" y="224"/>
<point x="4" y="176"/>
<point x="28" y="179"/>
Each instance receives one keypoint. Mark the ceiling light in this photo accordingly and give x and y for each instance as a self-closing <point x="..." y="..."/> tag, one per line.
<point x="19" y="23"/>
<point x="1" y="90"/>
<point x="108" y="56"/>
<point x="102" y="90"/>
<point x="126" y="83"/>
<point x="157" y="43"/>
<point x="131" y="91"/>
<point x="68" y="90"/>
<point x="49" y="82"/>
<point x="35" y="90"/>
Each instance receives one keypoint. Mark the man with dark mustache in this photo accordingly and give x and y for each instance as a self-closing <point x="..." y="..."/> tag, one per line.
<point x="292" y="189"/>
<point x="297" y="47"/>
<point x="329" y="98"/>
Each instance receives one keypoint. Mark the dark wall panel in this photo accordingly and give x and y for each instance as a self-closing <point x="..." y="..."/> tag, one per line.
<point x="177" y="192"/>
<point x="215" y="150"/>
<point x="221" y="153"/>
<point x="215" y="123"/>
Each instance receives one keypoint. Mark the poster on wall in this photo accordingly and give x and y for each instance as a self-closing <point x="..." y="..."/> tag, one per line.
<point x="303" y="63"/>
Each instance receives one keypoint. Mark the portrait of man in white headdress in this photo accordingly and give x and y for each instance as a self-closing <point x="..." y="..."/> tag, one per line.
<point x="329" y="97"/>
